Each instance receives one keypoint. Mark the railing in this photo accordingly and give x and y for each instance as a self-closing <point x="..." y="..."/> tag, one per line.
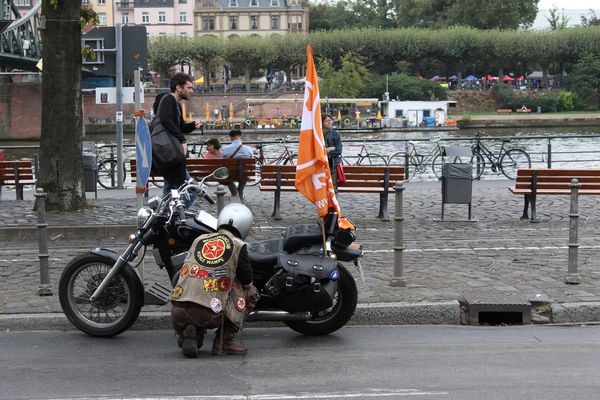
<point x="545" y="151"/>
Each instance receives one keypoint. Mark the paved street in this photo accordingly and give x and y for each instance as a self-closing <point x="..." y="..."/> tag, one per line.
<point x="498" y="254"/>
<point x="371" y="362"/>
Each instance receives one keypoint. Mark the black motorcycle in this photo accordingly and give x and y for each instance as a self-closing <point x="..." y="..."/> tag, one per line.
<point x="299" y="278"/>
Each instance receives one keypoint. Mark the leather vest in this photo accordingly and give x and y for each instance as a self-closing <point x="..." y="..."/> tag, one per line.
<point x="208" y="276"/>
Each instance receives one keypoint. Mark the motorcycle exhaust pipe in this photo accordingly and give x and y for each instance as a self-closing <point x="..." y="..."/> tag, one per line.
<point x="278" y="316"/>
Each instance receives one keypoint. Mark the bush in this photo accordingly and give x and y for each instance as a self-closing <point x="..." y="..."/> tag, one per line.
<point x="549" y="102"/>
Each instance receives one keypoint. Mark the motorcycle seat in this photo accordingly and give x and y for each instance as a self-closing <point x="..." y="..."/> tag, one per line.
<point x="299" y="236"/>
<point x="263" y="255"/>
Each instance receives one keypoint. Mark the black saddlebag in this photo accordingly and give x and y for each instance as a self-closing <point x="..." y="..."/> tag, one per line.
<point x="303" y="282"/>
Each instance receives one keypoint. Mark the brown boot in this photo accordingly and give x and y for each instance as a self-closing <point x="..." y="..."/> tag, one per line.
<point x="190" y="342"/>
<point x="229" y="347"/>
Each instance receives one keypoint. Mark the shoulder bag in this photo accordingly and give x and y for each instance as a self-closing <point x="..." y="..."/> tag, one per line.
<point x="167" y="150"/>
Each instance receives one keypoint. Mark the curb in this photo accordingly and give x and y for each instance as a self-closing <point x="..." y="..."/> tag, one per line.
<point x="13" y="233"/>
<point x="443" y="313"/>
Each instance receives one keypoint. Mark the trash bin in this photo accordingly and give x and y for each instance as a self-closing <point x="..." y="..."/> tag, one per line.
<point x="89" y="172"/>
<point x="539" y="109"/>
<point x="457" y="184"/>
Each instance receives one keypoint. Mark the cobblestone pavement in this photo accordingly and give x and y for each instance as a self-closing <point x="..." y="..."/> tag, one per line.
<point x="498" y="253"/>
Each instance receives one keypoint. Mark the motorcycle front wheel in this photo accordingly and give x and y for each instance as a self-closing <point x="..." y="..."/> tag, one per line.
<point x="326" y="321"/>
<point x="114" y="311"/>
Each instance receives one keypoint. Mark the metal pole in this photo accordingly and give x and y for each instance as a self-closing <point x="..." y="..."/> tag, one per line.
<point x="44" y="288"/>
<point x="549" y="153"/>
<point x="119" y="113"/>
<point x="398" y="279"/>
<point x="572" y="276"/>
<point x="220" y="192"/>
<point x="140" y="192"/>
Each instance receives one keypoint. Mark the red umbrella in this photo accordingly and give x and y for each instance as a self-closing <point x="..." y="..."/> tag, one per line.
<point x="508" y="78"/>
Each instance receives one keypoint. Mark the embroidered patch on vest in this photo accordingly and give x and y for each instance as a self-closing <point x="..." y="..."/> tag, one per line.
<point x="210" y="285"/>
<point x="215" y="305"/>
<point x="184" y="270"/>
<point x="224" y="284"/>
<point x="214" y="251"/>
<point x="240" y="304"/>
<point x="177" y="291"/>
<point x="194" y="271"/>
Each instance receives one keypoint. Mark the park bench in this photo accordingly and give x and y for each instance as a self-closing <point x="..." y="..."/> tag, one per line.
<point x="151" y="179"/>
<point x="504" y="111"/>
<point x="553" y="181"/>
<point x="359" y="179"/>
<point x="240" y="170"/>
<point x="523" y="110"/>
<point x="17" y="174"/>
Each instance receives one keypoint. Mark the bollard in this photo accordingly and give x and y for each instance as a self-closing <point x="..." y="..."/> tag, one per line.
<point x="572" y="275"/>
<point x="549" y="153"/>
<point x="398" y="279"/>
<point x="220" y="192"/>
<point x="44" y="288"/>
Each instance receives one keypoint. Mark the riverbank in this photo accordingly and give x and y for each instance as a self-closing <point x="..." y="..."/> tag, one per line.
<point x="466" y="121"/>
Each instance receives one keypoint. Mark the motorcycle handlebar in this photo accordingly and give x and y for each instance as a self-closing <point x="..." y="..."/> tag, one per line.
<point x="209" y="199"/>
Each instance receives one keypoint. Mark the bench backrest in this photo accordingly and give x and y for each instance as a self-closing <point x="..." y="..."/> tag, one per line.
<point x="558" y="178"/>
<point x="24" y="170"/>
<point x="201" y="167"/>
<point x="356" y="175"/>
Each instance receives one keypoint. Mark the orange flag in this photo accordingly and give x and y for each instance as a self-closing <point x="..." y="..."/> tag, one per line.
<point x="313" y="178"/>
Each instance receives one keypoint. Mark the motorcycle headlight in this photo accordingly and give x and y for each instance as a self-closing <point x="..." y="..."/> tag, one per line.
<point x="143" y="215"/>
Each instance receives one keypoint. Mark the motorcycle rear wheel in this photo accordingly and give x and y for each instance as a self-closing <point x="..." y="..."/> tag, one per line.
<point x="117" y="308"/>
<point x="330" y="320"/>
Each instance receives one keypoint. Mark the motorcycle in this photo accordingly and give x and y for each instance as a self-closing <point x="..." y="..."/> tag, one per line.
<point x="299" y="276"/>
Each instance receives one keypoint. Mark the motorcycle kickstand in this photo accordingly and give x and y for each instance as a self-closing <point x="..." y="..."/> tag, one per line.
<point x="359" y="267"/>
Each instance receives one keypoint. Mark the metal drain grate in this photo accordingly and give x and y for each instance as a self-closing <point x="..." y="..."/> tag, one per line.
<point x="495" y="308"/>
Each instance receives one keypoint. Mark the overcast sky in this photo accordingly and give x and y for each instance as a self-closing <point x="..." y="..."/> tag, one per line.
<point x="569" y="4"/>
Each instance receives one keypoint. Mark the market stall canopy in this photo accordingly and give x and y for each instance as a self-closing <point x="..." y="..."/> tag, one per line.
<point x="471" y="78"/>
<point x="538" y="75"/>
<point x="437" y="78"/>
<point x="199" y="81"/>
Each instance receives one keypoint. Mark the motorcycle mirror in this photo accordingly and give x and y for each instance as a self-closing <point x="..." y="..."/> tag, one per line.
<point x="221" y="173"/>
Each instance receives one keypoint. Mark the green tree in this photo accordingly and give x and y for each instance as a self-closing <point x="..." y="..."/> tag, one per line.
<point x="165" y="52"/>
<point x="584" y="80"/>
<point x="591" y="19"/>
<point x="60" y="173"/>
<point x="289" y="52"/>
<point x="349" y="80"/>
<point x="206" y="52"/>
<point x="557" y="21"/>
<point x="248" y="55"/>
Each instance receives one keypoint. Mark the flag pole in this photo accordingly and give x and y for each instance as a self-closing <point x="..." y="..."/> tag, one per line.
<point x="324" y="235"/>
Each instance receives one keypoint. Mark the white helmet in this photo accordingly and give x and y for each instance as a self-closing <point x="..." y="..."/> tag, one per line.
<point x="238" y="217"/>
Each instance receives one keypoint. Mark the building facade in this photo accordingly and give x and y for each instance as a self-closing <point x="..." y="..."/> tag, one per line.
<point x="231" y="18"/>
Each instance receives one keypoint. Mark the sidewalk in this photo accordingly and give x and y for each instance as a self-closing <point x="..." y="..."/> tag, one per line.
<point x="497" y="255"/>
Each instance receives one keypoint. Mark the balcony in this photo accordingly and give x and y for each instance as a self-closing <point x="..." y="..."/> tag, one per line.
<point x="124" y="4"/>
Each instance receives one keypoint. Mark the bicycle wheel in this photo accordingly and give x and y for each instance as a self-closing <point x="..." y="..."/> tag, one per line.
<point x="107" y="173"/>
<point x="158" y="184"/>
<point x="513" y="160"/>
<point x="291" y="160"/>
<point x="255" y="180"/>
<point x="398" y="160"/>
<point x="371" y="159"/>
<point x="476" y="161"/>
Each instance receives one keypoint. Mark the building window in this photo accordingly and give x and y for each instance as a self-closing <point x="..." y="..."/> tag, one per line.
<point x="125" y="18"/>
<point x="84" y="2"/>
<point x="208" y="23"/>
<point x="94" y="57"/>
<point x="295" y="23"/>
<point x="162" y="34"/>
<point x="22" y="3"/>
<point x="253" y="22"/>
<point x="253" y="3"/>
<point x="274" y="3"/>
<point x="183" y="35"/>
<point x="208" y="3"/>
<point x="233" y="3"/>
<point x="102" y="19"/>
<point x="274" y="22"/>
<point x="162" y="17"/>
<point x="101" y="2"/>
<point x="182" y="1"/>
<point x="145" y="17"/>
<point x="183" y="17"/>
<point x="233" y="23"/>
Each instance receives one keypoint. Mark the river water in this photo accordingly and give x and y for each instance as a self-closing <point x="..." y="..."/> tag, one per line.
<point x="569" y="146"/>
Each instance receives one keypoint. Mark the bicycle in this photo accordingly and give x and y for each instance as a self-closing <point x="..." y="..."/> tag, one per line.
<point x="106" y="170"/>
<point x="507" y="161"/>
<point x="366" y="158"/>
<point x="287" y="157"/>
<point x="417" y="163"/>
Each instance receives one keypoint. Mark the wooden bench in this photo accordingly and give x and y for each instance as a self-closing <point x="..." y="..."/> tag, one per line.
<point x="359" y="179"/>
<point x="504" y="111"/>
<point x="553" y="181"/>
<point x="17" y="174"/>
<point x="523" y="110"/>
<point x="240" y="170"/>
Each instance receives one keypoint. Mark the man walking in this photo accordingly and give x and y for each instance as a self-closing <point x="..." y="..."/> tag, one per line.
<point x="168" y="113"/>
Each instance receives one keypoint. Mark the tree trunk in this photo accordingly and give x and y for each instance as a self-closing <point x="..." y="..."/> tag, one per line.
<point x="61" y="172"/>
